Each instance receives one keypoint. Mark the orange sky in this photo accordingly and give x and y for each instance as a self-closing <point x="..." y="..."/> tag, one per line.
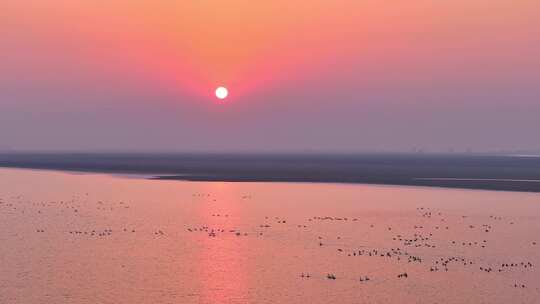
<point x="289" y="52"/>
<point x="195" y="45"/>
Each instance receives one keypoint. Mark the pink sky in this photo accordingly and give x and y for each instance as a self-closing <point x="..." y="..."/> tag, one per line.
<point x="302" y="75"/>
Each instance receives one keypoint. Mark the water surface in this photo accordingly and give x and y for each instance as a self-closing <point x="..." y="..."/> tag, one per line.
<point x="92" y="238"/>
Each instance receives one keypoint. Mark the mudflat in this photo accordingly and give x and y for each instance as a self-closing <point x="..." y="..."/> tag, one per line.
<point x="494" y="172"/>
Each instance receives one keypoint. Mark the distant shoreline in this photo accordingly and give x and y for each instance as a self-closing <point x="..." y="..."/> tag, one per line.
<point x="486" y="172"/>
<point x="457" y="183"/>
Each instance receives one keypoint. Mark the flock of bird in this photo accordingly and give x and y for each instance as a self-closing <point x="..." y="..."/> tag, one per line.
<point x="406" y="247"/>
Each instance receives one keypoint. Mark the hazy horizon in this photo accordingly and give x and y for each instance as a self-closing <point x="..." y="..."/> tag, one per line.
<point x="412" y="151"/>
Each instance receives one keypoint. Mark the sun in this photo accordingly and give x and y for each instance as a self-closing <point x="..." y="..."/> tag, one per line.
<point x="222" y="92"/>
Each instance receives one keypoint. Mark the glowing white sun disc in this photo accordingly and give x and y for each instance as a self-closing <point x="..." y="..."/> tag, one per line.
<point x="222" y="92"/>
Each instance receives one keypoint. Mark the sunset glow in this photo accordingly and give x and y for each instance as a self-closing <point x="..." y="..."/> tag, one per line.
<point x="269" y="151"/>
<point x="315" y="60"/>
<point x="193" y="44"/>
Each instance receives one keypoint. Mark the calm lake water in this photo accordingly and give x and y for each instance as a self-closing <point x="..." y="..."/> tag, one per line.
<point x="91" y="238"/>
